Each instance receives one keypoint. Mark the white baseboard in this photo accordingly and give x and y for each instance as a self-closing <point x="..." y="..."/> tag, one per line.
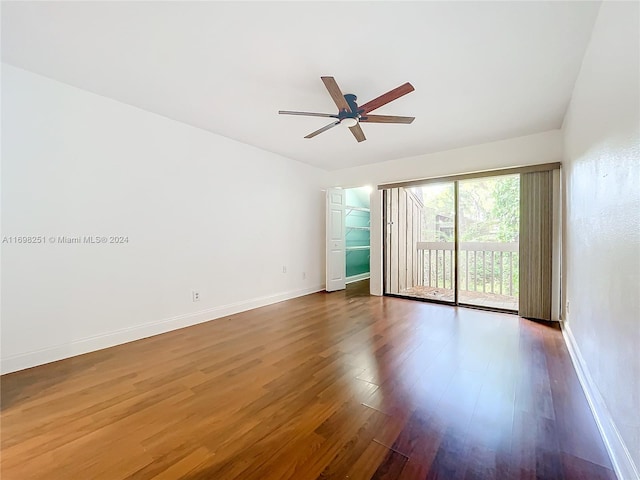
<point x="357" y="278"/>
<point x="620" y="458"/>
<point x="137" y="332"/>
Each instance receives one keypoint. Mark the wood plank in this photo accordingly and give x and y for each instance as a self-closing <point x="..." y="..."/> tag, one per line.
<point x="340" y="385"/>
<point x="391" y="466"/>
<point x="387" y="243"/>
<point x="367" y="464"/>
<point x="402" y="240"/>
<point x="394" y="244"/>
<point x="409" y="248"/>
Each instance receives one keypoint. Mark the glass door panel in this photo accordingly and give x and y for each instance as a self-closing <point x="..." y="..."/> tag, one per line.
<point x="489" y="210"/>
<point x="423" y="258"/>
<point x="419" y="242"/>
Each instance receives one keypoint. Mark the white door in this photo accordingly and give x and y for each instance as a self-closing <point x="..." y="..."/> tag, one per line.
<point x="336" y="264"/>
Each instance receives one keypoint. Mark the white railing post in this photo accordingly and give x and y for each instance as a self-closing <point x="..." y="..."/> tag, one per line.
<point x="433" y="265"/>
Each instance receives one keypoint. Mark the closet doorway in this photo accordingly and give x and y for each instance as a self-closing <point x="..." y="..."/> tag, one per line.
<point x="357" y="221"/>
<point x="348" y="222"/>
<point x="454" y="242"/>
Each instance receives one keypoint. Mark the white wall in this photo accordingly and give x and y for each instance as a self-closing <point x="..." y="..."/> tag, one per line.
<point x="532" y="149"/>
<point x="602" y="227"/>
<point x="200" y="211"/>
<point x="543" y="147"/>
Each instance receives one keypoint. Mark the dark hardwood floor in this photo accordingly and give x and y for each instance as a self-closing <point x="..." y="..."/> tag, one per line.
<point x="339" y="385"/>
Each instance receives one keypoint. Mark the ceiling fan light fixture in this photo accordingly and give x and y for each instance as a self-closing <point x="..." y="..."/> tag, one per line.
<point x="349" y="122"/>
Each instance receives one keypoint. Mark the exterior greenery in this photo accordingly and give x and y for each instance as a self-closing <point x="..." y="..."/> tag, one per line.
<point x="489" y="211"/>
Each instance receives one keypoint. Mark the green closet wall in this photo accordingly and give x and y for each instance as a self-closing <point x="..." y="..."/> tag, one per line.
<point x="357" y="232"/>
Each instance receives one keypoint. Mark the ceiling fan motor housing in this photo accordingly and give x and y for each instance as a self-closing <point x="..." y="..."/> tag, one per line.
<point x="351" y="101"/>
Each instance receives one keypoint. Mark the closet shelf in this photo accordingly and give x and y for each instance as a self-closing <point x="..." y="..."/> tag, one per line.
<point x="358" y="228"/>
<point x="360" y="247"/>
<point x="356" y="209"/>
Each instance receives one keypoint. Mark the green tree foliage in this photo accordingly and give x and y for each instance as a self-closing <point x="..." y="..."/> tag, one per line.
<point x="489" y="212"/>
<point x="506" y="207"/>
<point x="489" y="208"/>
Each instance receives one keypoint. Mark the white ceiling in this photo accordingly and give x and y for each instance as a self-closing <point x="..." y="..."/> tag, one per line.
<point x="482" y="71"/>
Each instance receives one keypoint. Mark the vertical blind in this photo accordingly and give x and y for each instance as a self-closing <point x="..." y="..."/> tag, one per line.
<point x="536" y="210"/>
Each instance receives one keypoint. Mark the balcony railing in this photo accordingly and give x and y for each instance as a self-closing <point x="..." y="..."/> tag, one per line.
<point x="487" y="267"/>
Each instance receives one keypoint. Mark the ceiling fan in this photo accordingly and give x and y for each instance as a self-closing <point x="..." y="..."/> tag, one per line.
<point x="351" y="115"/>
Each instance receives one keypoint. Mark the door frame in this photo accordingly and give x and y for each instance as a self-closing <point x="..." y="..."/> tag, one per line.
<point x="456" y="251"/>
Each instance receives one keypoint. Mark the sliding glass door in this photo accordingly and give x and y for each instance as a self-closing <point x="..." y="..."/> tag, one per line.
<point x="489" y="210"/>
<point x="404" y="271"/>
<point x="454" y="242"/>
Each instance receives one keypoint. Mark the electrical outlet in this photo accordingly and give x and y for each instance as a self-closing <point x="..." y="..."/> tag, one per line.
<point x="195" y="296"/>
<point x="567" y="307"/>
<point x="304" y="275"/>
<point x="284" y="269"/>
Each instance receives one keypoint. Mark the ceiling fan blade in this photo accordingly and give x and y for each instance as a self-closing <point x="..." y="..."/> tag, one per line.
<point x="308" y="114"/>
<point x="390" y="96"/>
<point x="386" y="119"/>
<point x="323" y="129"/>
<point x="336" y="93"/>
<point x="358" y="133"/>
